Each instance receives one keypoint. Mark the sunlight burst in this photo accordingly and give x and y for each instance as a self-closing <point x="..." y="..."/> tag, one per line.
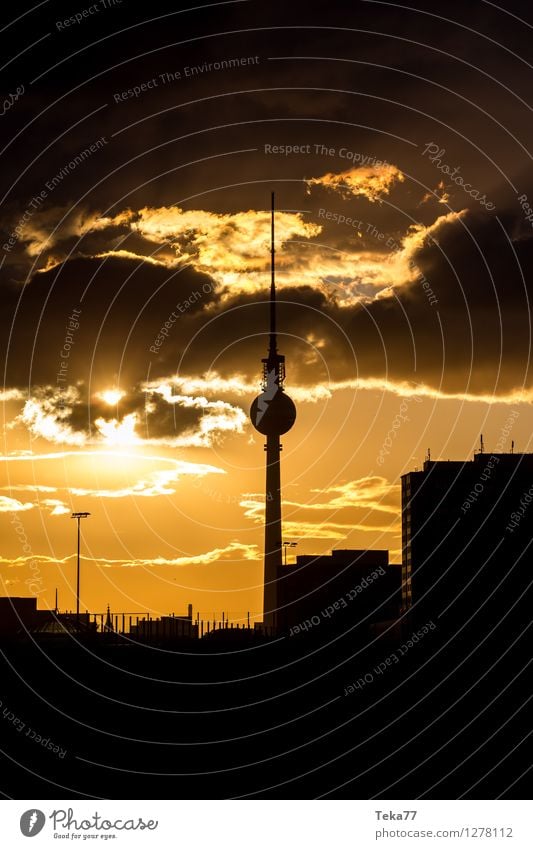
<point x="111" y="396"/>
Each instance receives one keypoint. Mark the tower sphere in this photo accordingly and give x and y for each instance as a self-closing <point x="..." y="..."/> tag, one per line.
<point x="273" y="415"/>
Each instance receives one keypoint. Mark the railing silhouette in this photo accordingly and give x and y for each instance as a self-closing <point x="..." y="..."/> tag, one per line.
<point x="141" y="627"/>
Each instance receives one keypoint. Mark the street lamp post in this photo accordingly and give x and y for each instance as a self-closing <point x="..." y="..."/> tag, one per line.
<point x="78" y="516"/>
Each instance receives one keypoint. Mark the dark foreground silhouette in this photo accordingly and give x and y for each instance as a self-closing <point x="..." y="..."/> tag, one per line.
<point x="438" y="709"/>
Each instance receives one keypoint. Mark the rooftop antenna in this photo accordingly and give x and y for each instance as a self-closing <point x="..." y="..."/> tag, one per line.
<point x="481" y="445"/>
<point x="512" y="446"/>
<point x="429" y="455"/>
<point x="57" y="609"/>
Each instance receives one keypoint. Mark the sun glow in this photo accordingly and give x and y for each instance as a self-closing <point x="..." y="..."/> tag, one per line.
<point x="119" y="433"/>
<point x="111" y="396"/>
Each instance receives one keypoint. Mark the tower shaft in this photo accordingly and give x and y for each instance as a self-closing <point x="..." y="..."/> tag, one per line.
<point x="273" y="532"/>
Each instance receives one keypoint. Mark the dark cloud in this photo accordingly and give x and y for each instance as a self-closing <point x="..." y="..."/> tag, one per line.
<point x="475" y="337"/>
<point x="122" y="306"/>
<point x="198" y="140"/>
<point x="472" y="334"/>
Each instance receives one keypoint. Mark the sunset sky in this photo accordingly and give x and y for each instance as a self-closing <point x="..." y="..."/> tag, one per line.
<point x="134" y="259"/>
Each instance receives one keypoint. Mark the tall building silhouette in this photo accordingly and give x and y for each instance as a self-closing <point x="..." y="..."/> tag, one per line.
<point x="272" y="413"/>
<point x="466" y="538"/>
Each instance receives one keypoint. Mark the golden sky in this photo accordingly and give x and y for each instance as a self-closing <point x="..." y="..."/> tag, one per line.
<point x="134" y="354"/>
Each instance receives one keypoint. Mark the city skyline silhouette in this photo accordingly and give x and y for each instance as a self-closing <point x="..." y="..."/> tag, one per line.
<point x="266" y="469"/>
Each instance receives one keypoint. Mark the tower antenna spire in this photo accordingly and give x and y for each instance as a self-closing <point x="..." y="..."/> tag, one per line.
<point x="273" y="341"/>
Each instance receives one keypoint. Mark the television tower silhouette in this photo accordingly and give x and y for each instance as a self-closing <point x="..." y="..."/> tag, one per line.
<point x="272" y="413"/>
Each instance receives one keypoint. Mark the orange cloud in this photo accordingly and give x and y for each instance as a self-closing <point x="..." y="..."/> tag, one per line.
<point x="12" y="395"/>
<point x="369" y="494"/>
<point x="126" y="475"/>
<point x="154" y="484"/>
<point x="12" y="505"/>
<point x="47" y="416"/>
<point x="233" y="551"/>
<point x="56" y="507"/>
<point x="370" y="181"/>
<point x="233" y="248"/>
<point x="237" y="385"/>
<point x="46" y="228"/>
